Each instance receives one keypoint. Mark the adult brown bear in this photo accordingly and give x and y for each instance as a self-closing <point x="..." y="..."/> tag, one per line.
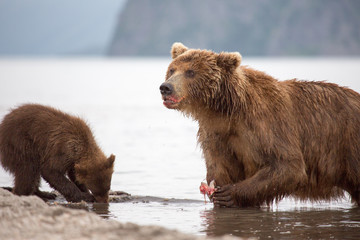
<point x="37" y="140"/>
<point x="264" y="139"/>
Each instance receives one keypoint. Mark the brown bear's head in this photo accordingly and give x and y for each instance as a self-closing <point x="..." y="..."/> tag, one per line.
<point x="96" y="176"/>
<point x="196" y="78"/>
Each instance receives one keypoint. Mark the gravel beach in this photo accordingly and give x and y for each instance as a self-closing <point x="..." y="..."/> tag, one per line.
<point x="28" y="217"/>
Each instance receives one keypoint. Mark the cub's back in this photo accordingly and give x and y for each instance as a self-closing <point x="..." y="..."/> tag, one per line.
<point x="40" y="130"/>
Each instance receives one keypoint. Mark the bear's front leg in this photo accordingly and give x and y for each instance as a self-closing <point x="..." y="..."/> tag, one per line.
<point x="263" y="187"/>
<point x="235" y="195"/>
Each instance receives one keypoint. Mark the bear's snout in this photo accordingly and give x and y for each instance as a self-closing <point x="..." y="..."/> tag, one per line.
<point x="166" y="89"/>
<point x="170" y="95"/>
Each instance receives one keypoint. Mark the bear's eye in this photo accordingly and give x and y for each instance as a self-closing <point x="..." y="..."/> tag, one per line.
<point x="171" y="71"/>
<point x="189" y="73"/>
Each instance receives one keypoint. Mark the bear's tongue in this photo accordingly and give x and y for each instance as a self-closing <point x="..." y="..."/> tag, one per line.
<point x="170" y="101"/>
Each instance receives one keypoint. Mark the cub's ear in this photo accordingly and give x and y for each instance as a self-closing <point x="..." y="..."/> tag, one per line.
<point x="110" y="161"/>
<point x="229" y="61"/>
<point x="177" y="49"/>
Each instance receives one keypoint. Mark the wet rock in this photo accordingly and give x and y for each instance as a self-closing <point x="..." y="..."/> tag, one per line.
<point x="28" y="217"/>
<point x="114" y="197"/>
<point x="119" y="196"/>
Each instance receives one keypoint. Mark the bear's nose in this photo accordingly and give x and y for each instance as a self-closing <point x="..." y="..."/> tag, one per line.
<point x="166" y="89"/>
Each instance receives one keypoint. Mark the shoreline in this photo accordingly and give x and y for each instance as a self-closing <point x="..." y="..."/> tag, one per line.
<point x="29" y="217"/>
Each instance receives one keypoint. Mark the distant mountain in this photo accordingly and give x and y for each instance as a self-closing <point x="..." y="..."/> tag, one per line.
<point x="56" y="28"/>
<point x="253" y="27"/>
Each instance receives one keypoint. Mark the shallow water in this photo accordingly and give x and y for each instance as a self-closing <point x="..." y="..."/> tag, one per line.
<point x="300" y="224"/>
<point x="156" y="150"/>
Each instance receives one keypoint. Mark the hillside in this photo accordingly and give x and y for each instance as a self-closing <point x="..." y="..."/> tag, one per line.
<point x="253" y="27"/>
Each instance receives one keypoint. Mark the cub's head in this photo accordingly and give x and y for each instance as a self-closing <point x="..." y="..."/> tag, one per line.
<point x="195" y="78"/>
<point x="96" y="176"/>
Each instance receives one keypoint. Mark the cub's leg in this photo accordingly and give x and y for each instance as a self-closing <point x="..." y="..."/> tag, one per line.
<point x="68" y="189"/>
<point x="43" y="195"/>
<point x="72" y="177"/>
<point x="26" y="180"/>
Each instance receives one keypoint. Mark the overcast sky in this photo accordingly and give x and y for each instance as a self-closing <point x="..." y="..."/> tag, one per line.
<point x="49" y="27"/>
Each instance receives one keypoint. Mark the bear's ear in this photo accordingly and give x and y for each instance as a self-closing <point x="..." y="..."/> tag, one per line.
<point x="229" y="61"/>
<point x="110" y="161"/>
<point x="177" y="49"/>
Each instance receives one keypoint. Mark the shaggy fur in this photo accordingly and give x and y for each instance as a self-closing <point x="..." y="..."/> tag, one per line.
<point x="36" y="141"/>
<point x="264" y="139"/>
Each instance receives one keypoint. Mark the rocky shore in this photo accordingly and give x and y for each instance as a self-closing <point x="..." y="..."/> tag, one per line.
<point x="28" y="217"/>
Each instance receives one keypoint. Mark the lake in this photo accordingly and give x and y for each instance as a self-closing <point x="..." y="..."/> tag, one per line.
<point x="156" y="150"/>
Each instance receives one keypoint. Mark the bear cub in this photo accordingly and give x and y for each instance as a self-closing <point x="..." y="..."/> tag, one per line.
<point x="39" y="141"/>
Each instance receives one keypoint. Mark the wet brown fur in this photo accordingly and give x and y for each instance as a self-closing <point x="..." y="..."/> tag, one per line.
<point x="37" y="140"/>
<point x="264" y="139"/>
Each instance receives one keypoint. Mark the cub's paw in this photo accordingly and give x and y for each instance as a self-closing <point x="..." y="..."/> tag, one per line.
<point x="45" y="195"/>
<point x="78" y="197"/>
<point x="87" y="197"/>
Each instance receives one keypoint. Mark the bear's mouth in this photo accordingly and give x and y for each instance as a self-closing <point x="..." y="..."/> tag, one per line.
<point x="171" y="102"/>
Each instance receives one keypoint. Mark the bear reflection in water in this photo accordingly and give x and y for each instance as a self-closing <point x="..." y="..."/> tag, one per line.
<point x="311" y="223"/>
